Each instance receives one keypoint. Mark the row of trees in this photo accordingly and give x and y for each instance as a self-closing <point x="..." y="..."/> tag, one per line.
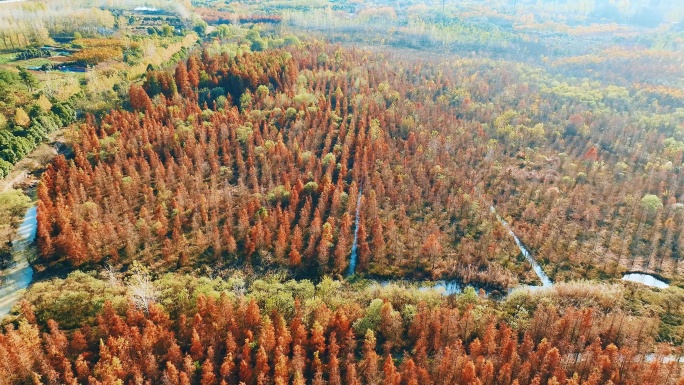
<point x="288" y="140"/>
<point x="23" y="25"/>
<point x="596" y="184"/>
<point x="31" y="116"/>
<point x="387" y="336"/>
<point x="272" y="178"/>
<point x="589" y="141"/>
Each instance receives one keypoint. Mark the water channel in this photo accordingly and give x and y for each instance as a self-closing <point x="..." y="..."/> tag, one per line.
<point x="18" y="276"/>
<point x="645" y="279"/>
<point x="352" y="257"/>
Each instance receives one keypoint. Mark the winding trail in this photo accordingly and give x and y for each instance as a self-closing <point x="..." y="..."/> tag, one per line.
<point x="19" y="275"/>
<point x="352" y="258"/>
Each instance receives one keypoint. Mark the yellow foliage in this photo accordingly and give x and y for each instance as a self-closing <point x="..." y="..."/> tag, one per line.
<point x="92" y="56"/>
<point x="111" y="43"/>
<point x="21" y="118"/>
<point x="156" y="55"/>
<point x="101" y="80"/>
<point x="44" y="103"/>
<point x="59" y="85"/>
<point x="378" y="13"/>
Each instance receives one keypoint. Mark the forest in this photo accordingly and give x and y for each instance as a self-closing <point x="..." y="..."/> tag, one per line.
<point x="207" y="332"/>
<point x="62" y="60"/>
<point x="274" y="191"/>
<point x="343" y="193"/>
<point x="293" y="190"/>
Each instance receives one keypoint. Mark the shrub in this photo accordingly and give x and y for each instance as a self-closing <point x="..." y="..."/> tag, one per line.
<point x="33" y="53"/>
<point x="651" y="203"/>
<point x="65" y="113"/>
<point x="95" y="55"/>
<point x="21" y="118"/>
<point x="311" y="187"/>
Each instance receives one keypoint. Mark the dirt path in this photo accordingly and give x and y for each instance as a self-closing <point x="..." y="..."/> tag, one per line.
<point x="12" y="180"/>
<point x="22" y="173"/>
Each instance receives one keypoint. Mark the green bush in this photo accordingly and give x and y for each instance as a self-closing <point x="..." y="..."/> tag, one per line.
<point x="13" y="148"/>
<point x="311" y="187"/>
<point x="65" y="112"/>
<point x="5" y="168"/>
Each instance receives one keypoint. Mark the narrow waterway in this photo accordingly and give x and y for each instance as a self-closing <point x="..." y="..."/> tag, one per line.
<point x="18" y="276"/>
<point x="456" y="287"/>
<point x="352" y="258"/>
<point x="645" y="279"/>
<point x="545" y="280"/>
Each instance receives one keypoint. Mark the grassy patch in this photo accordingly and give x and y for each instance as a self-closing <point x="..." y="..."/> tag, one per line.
<point x="6" y="58"/>
<point x="37" y="62"/>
